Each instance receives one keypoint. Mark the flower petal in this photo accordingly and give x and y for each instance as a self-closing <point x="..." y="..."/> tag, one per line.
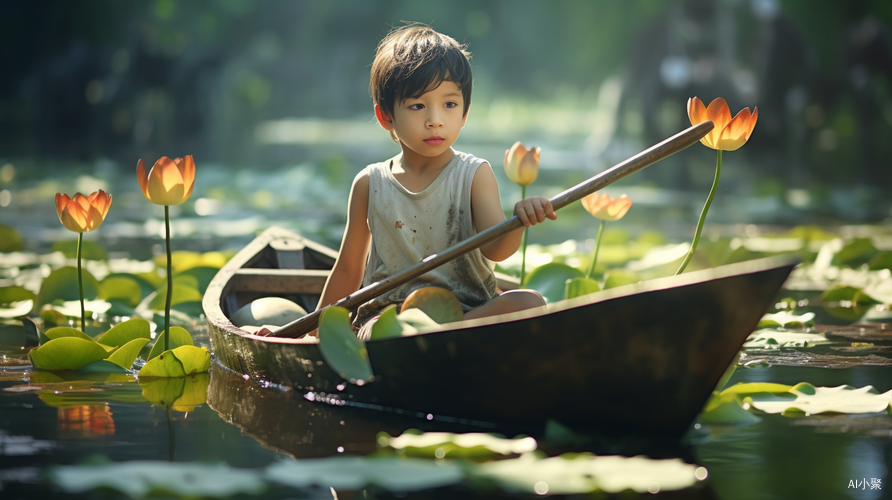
<point x="61" y="201"/>
<point x="143" y="178"/>
<point x="696" y="111"/>
<point x="188" y="173"/>
<point x="166" y="183"/>
<point x="735" y="134"/>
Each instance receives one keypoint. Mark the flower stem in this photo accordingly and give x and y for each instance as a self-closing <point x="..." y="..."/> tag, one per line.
<point x="523" y="257"/>
<point x="80" y="281"/>
<point x="169" y="280"/>
<point x="591" y="268"/>
<point x="715" y="185"/>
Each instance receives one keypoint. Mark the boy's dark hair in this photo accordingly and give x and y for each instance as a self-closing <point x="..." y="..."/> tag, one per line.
<point x="414" y="59"/>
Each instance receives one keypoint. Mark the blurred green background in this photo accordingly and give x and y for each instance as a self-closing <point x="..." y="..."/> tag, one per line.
<point x="271" y="98"/>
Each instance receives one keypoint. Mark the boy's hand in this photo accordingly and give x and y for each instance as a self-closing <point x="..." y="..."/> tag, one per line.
<point x="534" y="210"/>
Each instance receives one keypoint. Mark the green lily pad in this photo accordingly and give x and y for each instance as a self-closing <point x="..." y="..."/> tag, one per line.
<point x="387" y="324"/>
<point x="775" y="339"/>
<point x="186" y="281"/>
<point x="394" y="474"/>
<point x="16" y="309"/>
<point x="848" y="293"/>
<point x="192" y="309"/>
<point x="203" y="276"/>
<point x="181" y="393"/>
<point x="148" y="282"/>
<point x="62" y="284"/>
<point x="66" y="353"/>
<point x="551" y="280"/>
<point x="474" y="446"/>
<point x="72" y="308"/>
<point x="139" y="479"/>
<point x="577" y="287"/>
<point x="10" y="239"/>
<point x="103" y="366"/>
<point x="751" y="388"/>
<point x="340" y="348"/>
<point x="179" y="362"/>
<point x="156" y="301"/>
<point x="51" y="316"/>
<point x="127" y="353"/>
<point x="127" y="331"/>
<point x="584" y="473"/>
<point x="881" y="260"/>
<point x="12" y="294"/>
<point x="619" y="277"/>
<point x="854" y="253"/>
<point x="120" y="288"/>
<point x="786" y="319"/>
<point x="841" y="399"/>
<point x="179" y="336"/>
<point x="65" y="331"/>
<point x="90" y="250"/>
<point x="415" y="321"/>
<point x="725" y="409"/>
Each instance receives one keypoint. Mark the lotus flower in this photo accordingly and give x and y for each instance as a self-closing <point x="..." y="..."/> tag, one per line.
<point x="170" y="182"/>
<point x="522" y="164"/>
<point x="605" y="208"/>
<point x="728" y="134"/>
<point x="82" y="214"/>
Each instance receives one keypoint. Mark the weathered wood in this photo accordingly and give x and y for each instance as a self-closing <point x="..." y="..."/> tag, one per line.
<point x="662" y="150"/>
<point x="279" y="280"/>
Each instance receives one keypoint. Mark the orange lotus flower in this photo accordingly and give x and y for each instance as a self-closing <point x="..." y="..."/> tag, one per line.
<point x="83" y="214"/>
<point x="728" y="134"/>
<point x="522" y="164"/>
<point x="170" y="182"/>
<point x="605" y="208"/>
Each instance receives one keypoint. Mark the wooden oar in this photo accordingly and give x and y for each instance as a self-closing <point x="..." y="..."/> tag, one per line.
<point x="662" y="150"/>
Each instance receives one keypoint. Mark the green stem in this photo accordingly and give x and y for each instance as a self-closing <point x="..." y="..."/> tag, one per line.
<point x="80" y="281"/>
<point x="591" y="268"/>
<point x="715" y="185"/>
<point x="523" y="257"/>
<point x="169" y="280"/>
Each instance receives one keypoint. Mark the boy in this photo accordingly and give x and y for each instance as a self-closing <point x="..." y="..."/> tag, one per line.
<point x="429" y="196"/>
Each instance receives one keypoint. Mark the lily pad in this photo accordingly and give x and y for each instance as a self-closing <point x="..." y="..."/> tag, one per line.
<point x="387" y="324"/>
<point x="179" y="362"/>
<point x="62" y="284"/>
<point x="776" y="339"/>
<point x="848" y="293"/>
<point x="66" y="353"/>
<point x="156" y="301"/>
<point x="12" y="294"/>
<point x="725" y="409"/>
<point x="127" y="353"/>
<point x="881" y="260"/>
<point x="203" y="276"/>
<point x="551" y="280"/>
<point x="619" y="277"/>
<point x="121" y="288"/>
<point x="583" y="473"/>
<point x="138" y="479"/>
<point x="340" y="348"/>
<point x="786" y="319"/>
<point x="474" y="446"/>
<point x="841" y="399"/>
<point x="352" y="473"/>
<point x="65" y="331"/>
<point x="103" y="366"/>
<point x="90" y="250"/>
<point x="179" y="336"/>
<point x="72" y="308"/>
<point x="10" y="239"/>
<point x="577" y="287"/>
<point x="127" y="331"/>
<point x="854" y="253"/>
<point x="16" y="309"/>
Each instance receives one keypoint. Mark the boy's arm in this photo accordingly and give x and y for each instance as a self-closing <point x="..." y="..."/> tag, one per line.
<point x="346" y="275"/>
<point x="486" y="210"/>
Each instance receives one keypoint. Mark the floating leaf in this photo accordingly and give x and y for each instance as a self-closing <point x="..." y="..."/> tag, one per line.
<point x="619" y="277"/>
<point x="352" y="473"/>
<point x="138" y="479"/>
<point x="725" y="409"/>
<point x="583" y="473"/>
<point x="786" y="319"/>
<point x="848" y="293"/>
<point x="775" y="339"/>
<point x="148" y="282"/>
<point x="10" y="239"/>
<point x="127" y="331"/>
<point x="203" y="276"/>
<point x="103" y="366"/>
<point x="551" y="280"/>
<point x="51" y="316"/>
<point x="841" y="399"/>
<point x="65" y="331"/>
<point x="12" y="294"/>
<point x="855" y="253"/>
<point x="192" y="309"/>
<point x="880" y="261"/>
<point x="577" y="287"/>
<point x="156" y="301"/>
<point x="62" y="284"/>
<point x="751" y="388"/>
<point x="16" y="309"/>
<point x="340" y="348"/>
<point x="179" y="362"/>
<point x="127" y="353"/>
<point x="90" y="250"/>
<point x="66" y="353"/>
<point x="179" y="336"/>
<point x="72" y="308"/>
<point x="120" y="288"/>
<point x="474" y="446"/>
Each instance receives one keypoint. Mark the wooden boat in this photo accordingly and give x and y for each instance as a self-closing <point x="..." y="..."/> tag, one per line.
<point x="640" y="359"/>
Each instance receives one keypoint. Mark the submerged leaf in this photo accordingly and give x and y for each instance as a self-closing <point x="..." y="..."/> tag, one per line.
<point x="344" y="353"/>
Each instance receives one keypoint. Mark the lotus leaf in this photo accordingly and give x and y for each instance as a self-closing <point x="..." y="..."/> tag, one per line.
<point x="16" y="309"/>
<point x="475" y="446"/>
<point x="179" y="362"/>
<point x="12" y="294"/>
<point x="841" y="399"/>
<point x="126" y="354"/>
<point x="577" y="287"/>
<point x="66" y="353"/>
<point x="785" y="319"/>
<point x="156" y="301"/>
<point x="352" y="473"/>
<point x="62" y="284"/>
<point x="179" y="336"/>
<point x="340" y="348"/>
<point x="124" y="332"/>
<point x="121" y="288"/>
<point x="551" y="280"/>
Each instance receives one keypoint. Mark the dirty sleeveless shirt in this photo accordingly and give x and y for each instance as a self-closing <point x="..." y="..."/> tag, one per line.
<point x="406" y="227"/>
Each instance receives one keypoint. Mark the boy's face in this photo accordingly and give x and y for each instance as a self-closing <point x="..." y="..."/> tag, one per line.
<point x="429" y="124"/>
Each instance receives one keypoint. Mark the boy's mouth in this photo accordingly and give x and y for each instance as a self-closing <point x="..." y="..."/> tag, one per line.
<point x="434" y="141"/>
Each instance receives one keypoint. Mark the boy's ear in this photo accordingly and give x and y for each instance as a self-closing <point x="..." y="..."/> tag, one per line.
<point x="384" y="120"/>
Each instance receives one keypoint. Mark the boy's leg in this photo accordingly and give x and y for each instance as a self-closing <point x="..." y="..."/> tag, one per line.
<point x="508" y="302"/>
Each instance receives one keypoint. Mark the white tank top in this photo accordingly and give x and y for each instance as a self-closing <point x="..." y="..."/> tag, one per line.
<point x="406" y="227"/>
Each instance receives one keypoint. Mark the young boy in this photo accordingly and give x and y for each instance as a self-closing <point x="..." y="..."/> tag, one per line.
<point x="429" y="196"/>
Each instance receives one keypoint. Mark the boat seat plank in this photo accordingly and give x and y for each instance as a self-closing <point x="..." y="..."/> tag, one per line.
<point x="291" y="281"/>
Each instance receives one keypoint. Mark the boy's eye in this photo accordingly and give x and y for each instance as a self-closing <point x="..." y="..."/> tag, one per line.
<point x="451" y="104"/>
<point x="416" y="107"/>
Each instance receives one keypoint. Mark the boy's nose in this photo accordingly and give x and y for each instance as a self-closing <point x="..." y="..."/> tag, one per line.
<point x="434" y="121"/>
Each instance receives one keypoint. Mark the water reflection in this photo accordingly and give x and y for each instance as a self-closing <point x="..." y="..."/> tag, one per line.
<point x="86" y="421"/>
